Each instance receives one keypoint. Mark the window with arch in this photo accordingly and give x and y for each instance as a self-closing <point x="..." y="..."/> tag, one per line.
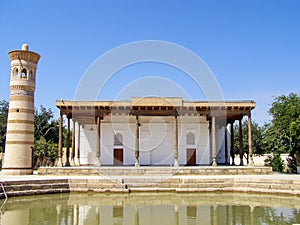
<point x="190" y="138"/>
<point x="24" y="74"/>
<point x="118" y="139"/>
<point x="15" y="72"/>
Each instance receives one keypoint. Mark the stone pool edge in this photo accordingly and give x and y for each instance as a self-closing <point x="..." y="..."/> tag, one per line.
<point x="36" y="184"/>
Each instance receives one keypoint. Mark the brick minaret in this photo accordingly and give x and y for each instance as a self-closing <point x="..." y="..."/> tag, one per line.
<point x="20" y="121"/>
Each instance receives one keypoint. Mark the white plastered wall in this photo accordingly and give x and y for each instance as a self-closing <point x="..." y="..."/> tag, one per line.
<point x="221" y="144"/>
<point x="156" y="140"/>
<point x="200" y="128"/>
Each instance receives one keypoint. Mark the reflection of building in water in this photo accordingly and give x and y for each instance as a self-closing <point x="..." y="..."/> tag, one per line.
<point x="117" y="214"/>
<point x="167" y="209"/>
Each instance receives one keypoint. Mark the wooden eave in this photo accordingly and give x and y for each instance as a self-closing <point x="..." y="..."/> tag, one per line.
<point x="86" y="111"/>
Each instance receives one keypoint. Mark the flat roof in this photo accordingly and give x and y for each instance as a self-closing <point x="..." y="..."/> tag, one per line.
<point x="86" y="111"/>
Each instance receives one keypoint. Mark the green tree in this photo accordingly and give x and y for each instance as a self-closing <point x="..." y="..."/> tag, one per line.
<point x="258" y="147"/>
<point x="283" y="133"/>
<point x="285" y="112"/>
<point x="275" y="162"/>
<point x="292" y="164"/>
<point x="45" y="126"/>
<point x="3" y="122"/>
<point x="45" y="153"/>
<point x="274" y="140"/>
<point x="46" y="137"/>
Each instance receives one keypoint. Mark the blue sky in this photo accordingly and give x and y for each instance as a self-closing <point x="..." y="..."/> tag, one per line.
<point x="252" y="47"/>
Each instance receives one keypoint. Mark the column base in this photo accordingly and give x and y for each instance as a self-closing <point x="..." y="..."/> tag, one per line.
<point x="67" y="164"/>
<point x="176" y="163"/>
<point x="137" y="164"/>
<point x="77" y="162"/>
<point x="241" y="162"/>
<point x="214" y="163"/>
<point x="97" y="162"/>
<point x="298" y="162"/>
<point x="59" y="163"/>
<point x="72" y="163"/>
<point x="251" y="162"/>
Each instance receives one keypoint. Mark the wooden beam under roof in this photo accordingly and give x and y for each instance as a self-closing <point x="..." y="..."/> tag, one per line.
<point x="86" y="111"/>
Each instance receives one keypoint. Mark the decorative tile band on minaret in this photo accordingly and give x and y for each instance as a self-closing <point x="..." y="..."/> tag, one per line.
<point x="18" y="158"/>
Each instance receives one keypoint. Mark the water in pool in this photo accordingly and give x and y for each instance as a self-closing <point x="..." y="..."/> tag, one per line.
<point x="151" y="208"/>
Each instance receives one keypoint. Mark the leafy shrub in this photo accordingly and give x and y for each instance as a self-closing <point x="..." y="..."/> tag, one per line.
<point x="276" y="162"/>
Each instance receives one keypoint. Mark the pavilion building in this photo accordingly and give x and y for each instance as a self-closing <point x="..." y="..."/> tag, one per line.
<point x="152" y="131"/>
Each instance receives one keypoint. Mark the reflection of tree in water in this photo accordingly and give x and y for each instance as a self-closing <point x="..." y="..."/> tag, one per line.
<point x="231" y="214"/>
<point x="268" y="215"/>
<point x="243" y="215"/>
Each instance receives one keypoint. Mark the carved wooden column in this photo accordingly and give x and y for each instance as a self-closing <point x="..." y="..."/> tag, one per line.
<point x="72" y="162"/>
<point x="175" y="142"/>
<point x="137" y="142"/>
<point x="226" y="146"/>
<point x="59" y="163"/>
<point x="251" y="162"/>
<point x="232" y="143"/>
<point x="77" y="154"/>
<point x="68" y="143"/>
<point x="241" y="142"/>
<point x="98" y="144"/>
<point x="213" y="141"/>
